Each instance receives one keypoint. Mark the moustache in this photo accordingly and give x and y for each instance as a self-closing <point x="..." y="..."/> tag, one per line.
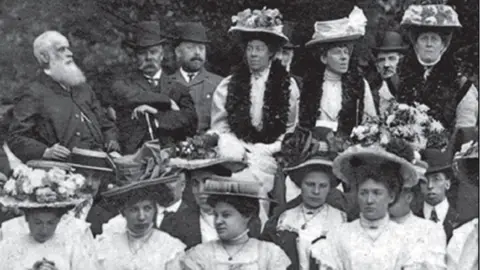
<point x="196" y="58"/>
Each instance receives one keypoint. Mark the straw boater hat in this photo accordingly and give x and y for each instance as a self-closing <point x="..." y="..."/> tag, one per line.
<point x="345" y="164"/>
<point x="42" y="188"/>
<point x="341" y="30"/>
<point x="228" y="186"/>
<point x="314" y="153"/>
<point x="465" y="162"/>
<point x="264" y="22"/>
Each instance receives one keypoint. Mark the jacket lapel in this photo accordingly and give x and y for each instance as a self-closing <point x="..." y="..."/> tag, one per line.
<point x="199" y="78"/>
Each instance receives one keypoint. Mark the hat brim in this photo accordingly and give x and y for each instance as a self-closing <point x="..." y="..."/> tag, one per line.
<point x="390" y="49"/>
<point x="315" y="42"/>
<point x="239" y="31"/>
<point x="436" y="169"/>
<point x="309" y="163"/>
<point x="290" y="45"/>
<point x="49" y="164"/>
<point x="239" y="195"/>
<point x="117" y="191"/>
<point x="203" y="41"/>
<point x="196" y="164"/>
<point x="137" y="46"/>
<point x="8" y="201"/>
<point x="342" y="167"/>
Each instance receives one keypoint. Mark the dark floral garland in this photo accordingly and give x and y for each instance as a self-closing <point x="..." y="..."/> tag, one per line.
<point x="353" y="88"/>
<point x="276" y="104"/>
<point x="440" y="92"/>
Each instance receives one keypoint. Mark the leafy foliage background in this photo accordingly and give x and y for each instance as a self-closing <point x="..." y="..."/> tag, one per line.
<point x="96" y="29"/>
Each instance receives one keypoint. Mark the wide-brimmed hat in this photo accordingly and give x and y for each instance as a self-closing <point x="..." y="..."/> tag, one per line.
<point x="228" y="186"/>
<point x="465" y="162"/>
<point x="264" y="22"/>
<point x="345" y="165"/>
<point x="302" y="152"/>
<point x="192" y="32"/>
<point x="41" y="188"/>
<point x="341" y="30"/>
<point x="210" y="150"/>
<point x="146" y="34"/>
<point x="391" y="42"/>
<point x="288" y="28"/>
<point x="438" y="160"/>
<point x="430" y="16"/>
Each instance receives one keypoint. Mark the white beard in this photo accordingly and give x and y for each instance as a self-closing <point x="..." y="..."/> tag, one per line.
<point x="68" y="74"/>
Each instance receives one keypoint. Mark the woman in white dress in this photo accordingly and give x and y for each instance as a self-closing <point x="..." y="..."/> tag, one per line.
<point x="257" y="103"/>
<point x="140" y="245"/>
<point x="234" y="203"/>
<point x="300" y="225"/>
<point x="44" y="197"/>
<point x="373" y="241"/>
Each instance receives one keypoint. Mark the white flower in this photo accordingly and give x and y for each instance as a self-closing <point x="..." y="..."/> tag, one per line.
<point x="56" y="175"/>
<point x="36" y="178"/>
<point x="10" y="187"/>
<point x="21" y="171"/>
<point x="70" y="187"/>
<point x="436" y="126"/>
<point x="27" y="188"/>
<point x="403" y="107"/>
<point x="390" y="119"/>
<point x="62" y="191"/>
<point x="78" y="179"/>
<point x="230" y="147"/>
<point x="422" y="107"/>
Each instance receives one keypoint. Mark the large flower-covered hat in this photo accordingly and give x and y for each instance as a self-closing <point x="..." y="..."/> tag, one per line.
<point x="208" y="150"/>
<point x="264" y="21"/>
<point x="345" y="29"/>
<point x="431" y="16"/>
<point x="38" y="188"/>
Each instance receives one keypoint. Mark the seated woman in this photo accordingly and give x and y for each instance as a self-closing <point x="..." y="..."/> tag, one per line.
<point x="297" y="227"/>
<point x="258" y="102"/>
<point x="44" y="204"/>
<point x="373" y="241"/>
<point x="234" y="203"/>
<point x="334" y="94"/>
<point x="141" y="245"/>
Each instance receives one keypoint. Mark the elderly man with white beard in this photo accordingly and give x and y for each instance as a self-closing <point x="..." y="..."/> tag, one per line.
<point x="58" y="110"/>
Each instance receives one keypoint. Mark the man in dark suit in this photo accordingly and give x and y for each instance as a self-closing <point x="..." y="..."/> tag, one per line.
<point x="58" y="110"/>
<point x="147" y="92"/>
<point x="191" y="54"/>
<point x="434" y="204"/>
<point x="286" y="54"/>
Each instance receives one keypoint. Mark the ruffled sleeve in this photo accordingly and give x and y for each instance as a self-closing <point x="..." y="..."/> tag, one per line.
<point x="196" y="258"/>
<point x="219" y="113"/>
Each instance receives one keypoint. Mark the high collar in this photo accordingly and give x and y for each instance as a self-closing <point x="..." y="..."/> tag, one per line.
<point x="441" y="209"/>
<point x="374" y="224"/>
<point x="156" y="76"/>
<point x="171" y="208"/>
<point x="331" y="76"/>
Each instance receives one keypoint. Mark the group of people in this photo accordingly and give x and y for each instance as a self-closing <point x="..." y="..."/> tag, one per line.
<point x="282" y="195"/>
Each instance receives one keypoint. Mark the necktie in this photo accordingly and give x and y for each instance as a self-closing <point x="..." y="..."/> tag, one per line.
<point x="433" y="216"/>
<point x="153" y="81"/>
<point x="191" y="76"/>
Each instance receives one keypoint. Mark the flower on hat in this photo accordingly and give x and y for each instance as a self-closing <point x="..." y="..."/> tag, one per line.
<point x="431" y="15"/>
<point x="264" y="18"/>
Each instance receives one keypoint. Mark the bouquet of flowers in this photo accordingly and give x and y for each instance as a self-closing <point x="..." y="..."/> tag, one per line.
<point x="410" y="123"/>
<point x="43" y="186"/>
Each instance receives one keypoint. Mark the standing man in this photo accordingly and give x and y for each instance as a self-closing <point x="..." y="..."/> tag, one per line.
<point x="191" y="54"/>
<point x="147" y="91"/>
<point x="434" y="187"/>
<point x="388" y="54"/>
<point x="287" y="52"/>
<point x="58" y="110"/>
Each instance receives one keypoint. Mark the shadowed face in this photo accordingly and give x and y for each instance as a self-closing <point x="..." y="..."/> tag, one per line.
<point x="387" y="63"/>
<point x="374" y="199"/>
<point x="285" y="55"/>
<point x="198" y="179"/>
<point x="191" y="55"/>
<point x="258" y="55"/>
<point x="429" y="47"/>
<point x="140" y="216"/>
<point x="401" y="207"/>
<point x="229" y="222"/>
<point x="434" y="187"/>
<point x="42" y="224"/>
<point x="150" y="59"/>
<point x="315" y="187"/>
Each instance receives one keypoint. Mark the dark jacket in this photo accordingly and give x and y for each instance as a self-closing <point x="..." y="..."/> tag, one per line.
<point x="46" y="114"/>
<point x="451" y="222"/>
<point x="201" y="89"/>
<point x="134" y="90"/>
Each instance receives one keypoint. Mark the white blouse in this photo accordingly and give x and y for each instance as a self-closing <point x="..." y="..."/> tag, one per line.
<point x="158" y="251"/>
<point x="309" y="227"/>
<point x="365" y="245"/>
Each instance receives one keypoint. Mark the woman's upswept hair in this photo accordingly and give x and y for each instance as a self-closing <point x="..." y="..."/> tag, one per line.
<point x="248" y="207"/>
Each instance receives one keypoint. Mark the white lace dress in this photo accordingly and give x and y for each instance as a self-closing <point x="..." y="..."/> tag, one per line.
<point x="158" y="251"/>
<point x="22" y="252"/>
